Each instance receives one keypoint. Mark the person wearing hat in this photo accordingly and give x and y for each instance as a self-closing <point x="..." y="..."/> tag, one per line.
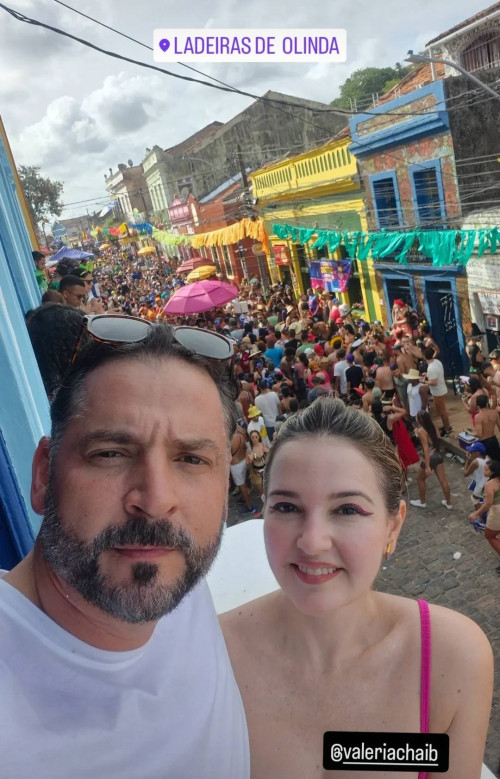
<point x="417" y="393"/>
<point x="475" y="461"/>
<point x="256" y="422"/>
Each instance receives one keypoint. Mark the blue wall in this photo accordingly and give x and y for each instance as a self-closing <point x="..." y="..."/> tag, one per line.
<point x="24" y="411"/>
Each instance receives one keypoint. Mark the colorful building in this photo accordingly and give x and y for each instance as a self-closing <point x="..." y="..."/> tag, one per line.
<point x="316" y="190"/>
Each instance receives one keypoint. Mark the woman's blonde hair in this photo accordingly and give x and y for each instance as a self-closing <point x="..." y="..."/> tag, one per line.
<point x="326" y="418"/>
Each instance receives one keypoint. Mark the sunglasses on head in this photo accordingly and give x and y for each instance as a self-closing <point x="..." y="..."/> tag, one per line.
<point x="122" y="329"/>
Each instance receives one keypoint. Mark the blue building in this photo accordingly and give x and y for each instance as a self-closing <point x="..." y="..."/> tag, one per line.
<point x="24" y="412"/>
<point x="406" y="158"/>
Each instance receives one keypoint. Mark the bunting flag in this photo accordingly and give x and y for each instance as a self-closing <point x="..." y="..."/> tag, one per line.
<point x="245" y="228"/>
<point x="444" y="247"/>
<point x="170" y="239"/>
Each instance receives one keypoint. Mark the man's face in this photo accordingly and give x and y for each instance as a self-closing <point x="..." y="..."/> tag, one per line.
<point x="74" y="295"/>
<point x="40" y="263"/>
<point x="136" y="499"/>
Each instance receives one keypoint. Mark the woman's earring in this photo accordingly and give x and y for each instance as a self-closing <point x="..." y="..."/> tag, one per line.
<point x="388" y="553"/>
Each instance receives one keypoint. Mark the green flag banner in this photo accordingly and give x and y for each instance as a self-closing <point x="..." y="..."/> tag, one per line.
<point x="444" y="247"/>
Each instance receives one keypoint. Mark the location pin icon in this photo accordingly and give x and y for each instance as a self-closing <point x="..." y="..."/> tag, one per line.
<point x="164" y="44"/>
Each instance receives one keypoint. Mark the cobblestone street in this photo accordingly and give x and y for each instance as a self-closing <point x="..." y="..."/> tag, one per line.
<point x="424" y="566"/>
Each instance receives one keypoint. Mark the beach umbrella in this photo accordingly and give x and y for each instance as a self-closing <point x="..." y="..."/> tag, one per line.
<point x="201" y="273"/>
<point x="201" y="296"/>
<point x="147" y="250"/>
<point x="104" y="246"/>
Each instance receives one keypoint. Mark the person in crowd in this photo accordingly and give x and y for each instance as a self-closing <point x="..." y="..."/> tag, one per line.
<point x="256" y="422"/>
<point x="384" y="378"/>
<point x="54" y="330"/>
<point x="475" y="462"/>
<point x="368" y="397"/>
<point x="333" y="510"/>
<point x="41" y="278"/>
<point x="432" y="461"/>
<point x="101" y="624"/>
<point x="428" y="339"/>
<point x="491" y="506"/>
<point x="73" y="290"/>
<point x="339" y="372"/>
<point x="239" y="469"/>
<point x="256" y="459"/>
<point x="486" y="422"/>
<point x="272" y="352"/>
<point x="52" y="296"/>
<point x="472" y="389"/>
<point x="417" y="393"/>
<point x="474" y="348"/>
<point x="438" y="389"/>
<point x="386" y="416"/>
<point x="354" y="377"/>
<point x="268" y="403"/>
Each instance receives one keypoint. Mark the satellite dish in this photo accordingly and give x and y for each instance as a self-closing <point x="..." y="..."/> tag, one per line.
<point x="130" y="163"/>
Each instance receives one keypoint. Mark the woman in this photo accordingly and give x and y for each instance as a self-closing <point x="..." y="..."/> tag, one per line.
<point x="472" y="389"/>
<point x="326" y="652"/>
<point x="256" y="459"/>
<point x="300" y="368"/>
<point x="491" y="505"/>
<point x="432" y="460"/>
<point x="390" y="419"/>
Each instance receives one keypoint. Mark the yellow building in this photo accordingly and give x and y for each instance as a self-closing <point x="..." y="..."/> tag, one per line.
<point x="317" y="189"/>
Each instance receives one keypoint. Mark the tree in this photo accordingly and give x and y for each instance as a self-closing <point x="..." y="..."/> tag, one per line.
<point x="362" y="84"/>
<point x="42" y="194"/>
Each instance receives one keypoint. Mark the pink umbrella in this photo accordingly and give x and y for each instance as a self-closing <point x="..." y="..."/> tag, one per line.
<point x="188" y="265"/>
<point x="201" y="296"/>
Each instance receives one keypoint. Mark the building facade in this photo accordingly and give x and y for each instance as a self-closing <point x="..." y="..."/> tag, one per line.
<point x="319" y="189"/>
<point x="128" y="188"/>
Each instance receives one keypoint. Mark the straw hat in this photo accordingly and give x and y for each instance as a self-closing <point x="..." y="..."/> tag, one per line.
<point x="412" y="375"/>
<point x="253" y="411"/>
<point x="255" y="352"/>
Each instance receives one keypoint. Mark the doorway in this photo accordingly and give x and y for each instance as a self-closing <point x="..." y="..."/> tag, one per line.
<point x="441" y="304"/>
<point x="399" y="288"/>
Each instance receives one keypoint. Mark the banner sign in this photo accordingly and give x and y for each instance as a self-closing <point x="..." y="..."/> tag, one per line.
<point x="330" y="275"/>
<point x="281" y="254"/>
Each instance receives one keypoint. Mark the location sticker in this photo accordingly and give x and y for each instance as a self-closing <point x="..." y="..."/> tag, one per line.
<point x="244" y="45"/>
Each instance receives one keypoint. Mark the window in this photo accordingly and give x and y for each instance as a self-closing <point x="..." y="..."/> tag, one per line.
<point x="427" y="194"/>
<point x="386" y="201"/>
<point x="483" y="53"/>
<point x="227" y="261"/>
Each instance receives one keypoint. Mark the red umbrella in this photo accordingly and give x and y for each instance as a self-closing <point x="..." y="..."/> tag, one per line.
<point x="188" y="265"/>
<point x="201" y="296"/>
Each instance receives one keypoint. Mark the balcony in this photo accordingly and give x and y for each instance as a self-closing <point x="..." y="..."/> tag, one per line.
<point x="318" y="168"/>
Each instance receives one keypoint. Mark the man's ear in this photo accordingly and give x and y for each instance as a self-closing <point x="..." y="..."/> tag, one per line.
<point x="40" y="475"/>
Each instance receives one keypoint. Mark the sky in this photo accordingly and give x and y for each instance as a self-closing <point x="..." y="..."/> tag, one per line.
<point x="75" y="112"/>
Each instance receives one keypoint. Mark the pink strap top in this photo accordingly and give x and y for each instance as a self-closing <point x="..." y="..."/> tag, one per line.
<point x="425" y="670"/>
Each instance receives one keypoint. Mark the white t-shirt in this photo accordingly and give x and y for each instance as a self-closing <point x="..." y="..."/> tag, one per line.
<point x="169" y="710"/>
<point x="269" y="404"/>
<point x="414" y="399"/>
<point x="435" y="371"/>
<point x="479" y="476"/>
<point x="339" y="370"/>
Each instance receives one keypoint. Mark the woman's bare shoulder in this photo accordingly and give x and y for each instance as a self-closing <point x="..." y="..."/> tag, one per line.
<point x="457" y="637"/>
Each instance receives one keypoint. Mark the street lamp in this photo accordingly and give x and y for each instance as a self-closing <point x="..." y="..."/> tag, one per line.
<point x="420" y="58"/>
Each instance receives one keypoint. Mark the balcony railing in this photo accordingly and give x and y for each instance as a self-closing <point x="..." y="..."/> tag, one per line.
<point x="314" y="169"/>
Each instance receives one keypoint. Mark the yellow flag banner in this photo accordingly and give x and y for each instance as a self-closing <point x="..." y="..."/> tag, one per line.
<point x="246" y="228"/>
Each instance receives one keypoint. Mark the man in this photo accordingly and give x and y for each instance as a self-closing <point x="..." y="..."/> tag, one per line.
<point x="273" y="353"/>
<point x="73" y="290"/>
<point x="112" y="663"/>
<point x="39" y="260"/>
<point x="268" y="403"/>
<point x="339" y="373"/>
<point x="354" y="376"/>
<point x="384" y="377"/>
<point x="235" y="331"/>
<point x="437" y="385"/>
<point x="417" y="393"/>
<point x="485" y="424"/>
<point x="287" y="363"/>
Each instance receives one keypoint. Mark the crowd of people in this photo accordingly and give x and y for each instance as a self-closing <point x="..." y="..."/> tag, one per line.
<point x="289" y="351"/>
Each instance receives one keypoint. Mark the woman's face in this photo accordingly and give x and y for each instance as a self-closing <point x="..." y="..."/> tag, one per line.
<point x="254" y="437"/>
<point x="326" y="524"/>
<point x="487" y="470"/>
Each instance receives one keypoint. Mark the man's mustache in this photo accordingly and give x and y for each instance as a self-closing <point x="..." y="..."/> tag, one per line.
<point x="139" y="531"/>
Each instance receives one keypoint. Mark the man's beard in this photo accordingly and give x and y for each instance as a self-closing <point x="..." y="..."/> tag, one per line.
<point x="142" y="599"/>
